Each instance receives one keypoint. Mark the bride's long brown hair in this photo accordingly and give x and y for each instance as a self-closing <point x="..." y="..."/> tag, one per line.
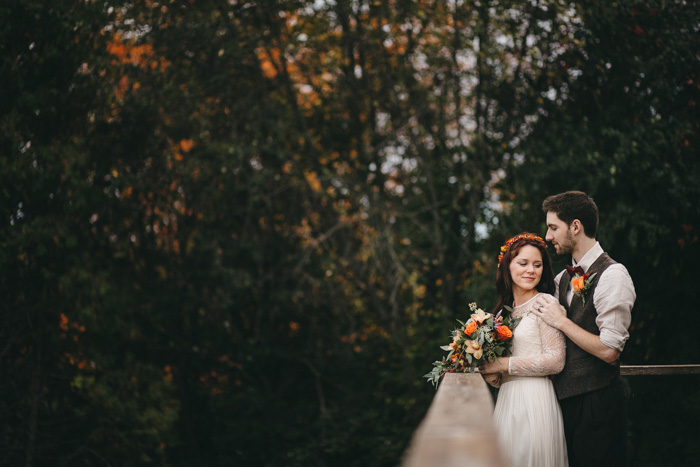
<point x="504" y="283"/>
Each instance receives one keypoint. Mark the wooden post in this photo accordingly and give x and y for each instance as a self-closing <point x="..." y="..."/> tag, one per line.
<point x="458" y="429"/>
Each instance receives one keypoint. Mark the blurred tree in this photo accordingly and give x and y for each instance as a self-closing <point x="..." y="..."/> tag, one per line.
<point x="63" y="400"/>
<point x="231" y="226"/>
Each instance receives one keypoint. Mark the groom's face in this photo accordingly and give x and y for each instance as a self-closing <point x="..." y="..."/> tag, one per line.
<point x="559" y="234"/>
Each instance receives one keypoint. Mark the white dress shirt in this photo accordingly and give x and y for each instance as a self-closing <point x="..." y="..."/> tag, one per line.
<point x="613" y="299"/>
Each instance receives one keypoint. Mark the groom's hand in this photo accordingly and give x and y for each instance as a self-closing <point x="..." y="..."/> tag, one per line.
<point x="551" y="312"/>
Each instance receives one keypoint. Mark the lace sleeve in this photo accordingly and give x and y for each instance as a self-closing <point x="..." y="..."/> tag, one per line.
<point x="549" y="362"/>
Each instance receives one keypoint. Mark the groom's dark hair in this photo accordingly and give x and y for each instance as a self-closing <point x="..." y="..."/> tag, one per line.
<point x="572" y="205"/>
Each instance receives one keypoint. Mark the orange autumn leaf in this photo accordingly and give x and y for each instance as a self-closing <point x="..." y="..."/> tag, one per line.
<point x="122" y="87"/>
<point x="64" y="322"/>
<point x="126" y="52"/>
<point x="186" y="145"/>
<point x="268" y="62"/>
<point x="312" y="180"/>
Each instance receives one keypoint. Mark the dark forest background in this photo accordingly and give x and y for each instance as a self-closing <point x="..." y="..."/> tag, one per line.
<point x="236" y="232"/>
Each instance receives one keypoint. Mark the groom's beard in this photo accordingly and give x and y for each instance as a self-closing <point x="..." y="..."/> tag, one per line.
<point x="567" y="246"/>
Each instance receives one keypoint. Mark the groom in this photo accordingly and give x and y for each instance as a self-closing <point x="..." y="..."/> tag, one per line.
<point x="592" y="306"/>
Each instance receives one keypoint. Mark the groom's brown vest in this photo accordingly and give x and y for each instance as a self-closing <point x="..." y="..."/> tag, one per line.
<point x="583" y="372"/>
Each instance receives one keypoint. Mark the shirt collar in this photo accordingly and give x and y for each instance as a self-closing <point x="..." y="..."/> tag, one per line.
<point x="590" y="257"/>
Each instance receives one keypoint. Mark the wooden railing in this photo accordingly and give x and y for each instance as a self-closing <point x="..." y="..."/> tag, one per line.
<point x="458" y="429"/>
<point x="646" y="370"/>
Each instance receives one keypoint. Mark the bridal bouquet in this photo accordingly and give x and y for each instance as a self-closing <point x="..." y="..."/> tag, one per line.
<point x="483" y="338"/>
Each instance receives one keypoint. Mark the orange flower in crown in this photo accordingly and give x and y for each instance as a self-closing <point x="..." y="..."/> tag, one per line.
<point x="512" y="240"/>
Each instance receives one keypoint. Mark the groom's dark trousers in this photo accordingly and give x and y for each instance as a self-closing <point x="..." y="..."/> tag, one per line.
<point x="590" y="391"/>
<point x="595" y="426"/>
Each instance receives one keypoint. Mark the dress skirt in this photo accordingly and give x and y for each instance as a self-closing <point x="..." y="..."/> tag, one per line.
<point x="529" y="422"/>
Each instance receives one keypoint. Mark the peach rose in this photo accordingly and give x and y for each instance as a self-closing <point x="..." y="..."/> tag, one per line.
<point x="475" y="349"/>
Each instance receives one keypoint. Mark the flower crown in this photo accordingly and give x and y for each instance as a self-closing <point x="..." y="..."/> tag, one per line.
<point x="511" y="240"/>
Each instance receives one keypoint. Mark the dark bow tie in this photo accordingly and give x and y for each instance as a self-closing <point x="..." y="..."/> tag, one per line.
<point x="574" y="271"/>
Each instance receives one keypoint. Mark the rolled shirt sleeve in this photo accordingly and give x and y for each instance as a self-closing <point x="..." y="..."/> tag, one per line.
<point x="614" y="298"/>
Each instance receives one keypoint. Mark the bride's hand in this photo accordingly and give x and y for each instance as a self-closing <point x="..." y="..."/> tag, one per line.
<point x="498" y="366"/>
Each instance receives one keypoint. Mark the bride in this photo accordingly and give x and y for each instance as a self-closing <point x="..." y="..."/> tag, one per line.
<point x="527" y="413"/>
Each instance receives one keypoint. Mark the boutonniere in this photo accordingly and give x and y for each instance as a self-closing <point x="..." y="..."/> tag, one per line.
<point x="580" y="281"/>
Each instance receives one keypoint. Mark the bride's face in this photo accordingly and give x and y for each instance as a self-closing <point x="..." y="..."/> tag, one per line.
<point x="526" y="268"/>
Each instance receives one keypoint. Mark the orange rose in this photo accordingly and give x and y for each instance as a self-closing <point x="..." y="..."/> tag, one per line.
<point x="470" y="328"/>
<point x="503" y="333"/>
<point x="578" y="283"/>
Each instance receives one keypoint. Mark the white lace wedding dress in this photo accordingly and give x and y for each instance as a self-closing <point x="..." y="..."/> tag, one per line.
<point x="527" y="414"/>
